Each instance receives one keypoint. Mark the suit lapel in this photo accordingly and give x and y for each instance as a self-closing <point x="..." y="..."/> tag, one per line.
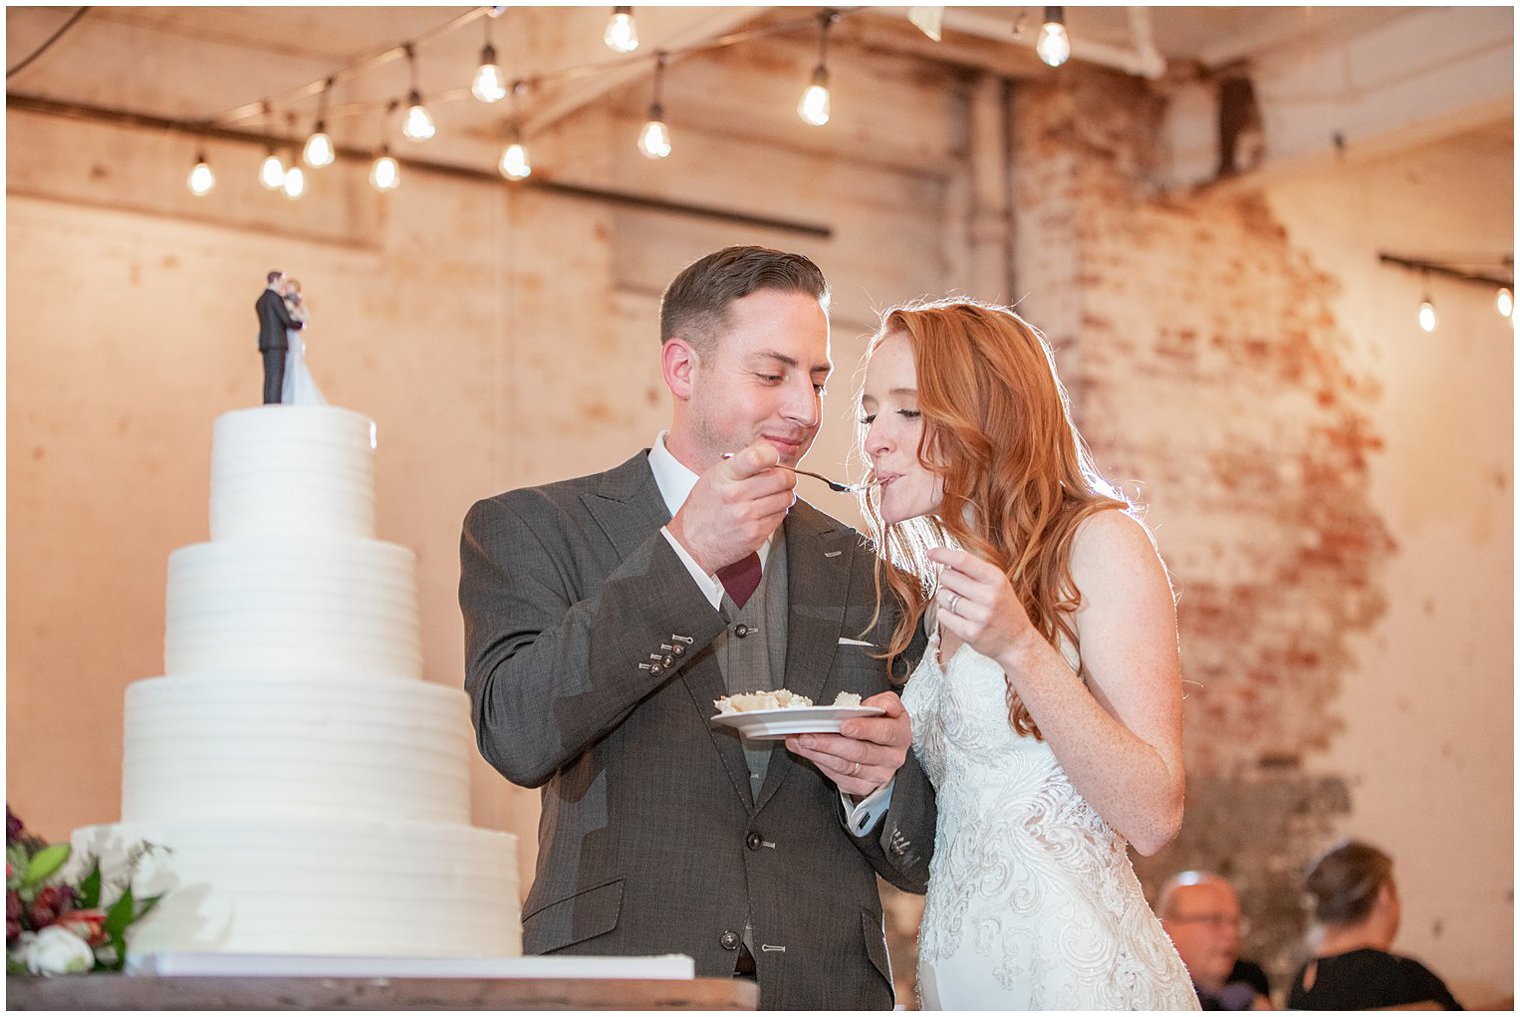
<point x="628" y="507"/>
<point x="819" y="555"/>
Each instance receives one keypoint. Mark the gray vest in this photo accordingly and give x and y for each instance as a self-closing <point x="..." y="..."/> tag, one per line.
<point x="751" y="652"/>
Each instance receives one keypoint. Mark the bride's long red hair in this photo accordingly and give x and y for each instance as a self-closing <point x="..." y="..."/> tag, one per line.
<point x="1018" y="478"/>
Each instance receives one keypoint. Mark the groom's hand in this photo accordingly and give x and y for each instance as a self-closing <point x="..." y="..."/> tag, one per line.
<point x="734" y="506"/>
<point x="867" y="752"/>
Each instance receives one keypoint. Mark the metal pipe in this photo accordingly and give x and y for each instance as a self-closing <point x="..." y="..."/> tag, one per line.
<point x="626" y="199"/>
<point x="1436" y="268"/>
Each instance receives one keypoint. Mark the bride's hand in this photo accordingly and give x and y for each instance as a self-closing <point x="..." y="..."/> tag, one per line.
<point x="977" y="604"/>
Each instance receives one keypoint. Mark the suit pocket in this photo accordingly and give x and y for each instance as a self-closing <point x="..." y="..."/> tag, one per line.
<point x="583" y="915"/>
<point x="873" y="931"/>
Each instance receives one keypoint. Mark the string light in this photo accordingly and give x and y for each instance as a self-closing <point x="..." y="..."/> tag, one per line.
<point x="384" y="173"/>
<point x="654" y="139"/>
<point x="1427" y="315"/>
<point x="271" y="170"/>
<point x="814" y="106"/>
<point x="514" y="163"/>
<point x="295" y="183"/>
<point x="1054" y="44"/>
<point x="487" y="86"/>
<point x="318" y="151"/>
<point x="622" y="35"/>
<point x="1504" y="300"/>
<point x="201" y="178"/>
<point x="418" y="125"/>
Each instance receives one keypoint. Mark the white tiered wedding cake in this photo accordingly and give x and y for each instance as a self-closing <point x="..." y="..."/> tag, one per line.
<point x="313" y="790"/>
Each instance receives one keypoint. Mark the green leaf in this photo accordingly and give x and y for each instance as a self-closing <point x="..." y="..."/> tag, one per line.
<point x="89" y="889"/>
<point x="121" y="914"/>
<point x="146" y="904"/>
<point x="45" y="862"/>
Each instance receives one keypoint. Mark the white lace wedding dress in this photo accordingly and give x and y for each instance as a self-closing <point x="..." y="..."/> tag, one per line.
<point x="1032" y="901"/>
<point x="299" y="388"/>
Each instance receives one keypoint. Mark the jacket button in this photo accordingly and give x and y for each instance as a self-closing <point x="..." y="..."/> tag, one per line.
<point x="753" y="841"/>
<point x="656" y="671"/>
<point x="729" y="941"/>
<point x="741" y="630"/>
<point x="668" y="661"/>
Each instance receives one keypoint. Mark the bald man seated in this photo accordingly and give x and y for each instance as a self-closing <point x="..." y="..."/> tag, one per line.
<point x="1201" y="912"/>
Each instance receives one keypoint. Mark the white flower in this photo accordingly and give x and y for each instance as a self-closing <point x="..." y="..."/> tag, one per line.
<point x="57" y="951"/>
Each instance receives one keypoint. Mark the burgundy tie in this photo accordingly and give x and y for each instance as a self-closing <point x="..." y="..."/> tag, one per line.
<point x="741" y="578"/>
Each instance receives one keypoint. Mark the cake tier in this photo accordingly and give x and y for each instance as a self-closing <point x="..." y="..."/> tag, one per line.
<point x="373" y="888"/>
<point x="292" y="470"/>
<point x="326" y="606"/>
<point x="197" y="748"/>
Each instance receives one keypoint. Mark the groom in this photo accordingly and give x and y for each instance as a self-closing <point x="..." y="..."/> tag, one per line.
<point x="274" y="319"/>
<point x="603" y="615"/>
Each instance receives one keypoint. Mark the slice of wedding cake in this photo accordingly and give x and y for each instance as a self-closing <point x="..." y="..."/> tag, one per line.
<point x="312" y="789"/>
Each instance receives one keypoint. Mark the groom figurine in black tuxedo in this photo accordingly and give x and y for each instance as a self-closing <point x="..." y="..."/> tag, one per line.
<point x="274" y="320"/>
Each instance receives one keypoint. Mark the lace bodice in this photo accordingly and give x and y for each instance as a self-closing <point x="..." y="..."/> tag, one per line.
<point x="1032" y="900"/>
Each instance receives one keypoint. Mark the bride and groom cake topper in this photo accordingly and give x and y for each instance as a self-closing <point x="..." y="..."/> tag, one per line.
<point x="282" y="317"/>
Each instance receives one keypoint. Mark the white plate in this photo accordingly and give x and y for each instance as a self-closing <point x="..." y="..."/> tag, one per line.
<point x="758" y="725"/>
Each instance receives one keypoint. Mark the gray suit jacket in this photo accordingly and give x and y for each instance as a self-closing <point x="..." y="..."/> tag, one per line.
<point x="650" y="840"/>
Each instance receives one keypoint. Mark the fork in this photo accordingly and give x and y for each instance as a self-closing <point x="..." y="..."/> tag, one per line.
<point x="834" y="485"/>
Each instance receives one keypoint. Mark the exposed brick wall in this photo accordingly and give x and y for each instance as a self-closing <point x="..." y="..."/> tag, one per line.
<point x="1205" y="362"/>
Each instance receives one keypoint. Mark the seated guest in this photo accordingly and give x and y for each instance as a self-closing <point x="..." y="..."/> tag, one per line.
<point x="1201" y="913"/>
<point x="1356" y="915"/>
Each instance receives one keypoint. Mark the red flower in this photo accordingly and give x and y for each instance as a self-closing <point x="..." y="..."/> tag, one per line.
<point x="89" y="926"/>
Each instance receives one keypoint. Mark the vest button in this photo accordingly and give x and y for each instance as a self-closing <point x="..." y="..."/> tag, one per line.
<point x="741" y="630"/>
<point x="729" y="940"/>
<point x="753" y="841"/>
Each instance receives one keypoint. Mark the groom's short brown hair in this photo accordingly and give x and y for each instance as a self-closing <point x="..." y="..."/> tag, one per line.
<point x="695" y="304"/>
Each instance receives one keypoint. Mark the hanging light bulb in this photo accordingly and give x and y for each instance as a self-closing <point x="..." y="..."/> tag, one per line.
<point x="201" y="178"/>
<point x="814" y="106"/>
<point x="1504" y="300"/>
<point x="319" y="148"/>
<point x="419" y="123"/>
<point x="514" y="163"/>
<point x="621" y="36"/>
<point x="488" y="86"/>
<point x="384" y="173"/>
<point x="272" y="172"/>
<point x="318" y="151"/>
<point x="1428" y="315"/>
<point x="295" y="183"/>
<point x="654" y="139"/>
<point x="1054" y="44"/>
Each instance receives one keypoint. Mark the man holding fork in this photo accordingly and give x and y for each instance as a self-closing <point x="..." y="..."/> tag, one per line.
<point x="604" y="615"/>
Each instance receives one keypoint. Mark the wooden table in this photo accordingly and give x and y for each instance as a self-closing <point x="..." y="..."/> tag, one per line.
<point x="151" y="992"/>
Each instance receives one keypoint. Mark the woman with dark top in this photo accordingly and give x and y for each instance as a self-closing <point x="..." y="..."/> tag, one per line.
<point x="1356" y="915"/>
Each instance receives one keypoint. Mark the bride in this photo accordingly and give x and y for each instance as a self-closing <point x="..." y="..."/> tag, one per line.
<point x="1047" y="708"/>
<point x="299" y="388"/>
